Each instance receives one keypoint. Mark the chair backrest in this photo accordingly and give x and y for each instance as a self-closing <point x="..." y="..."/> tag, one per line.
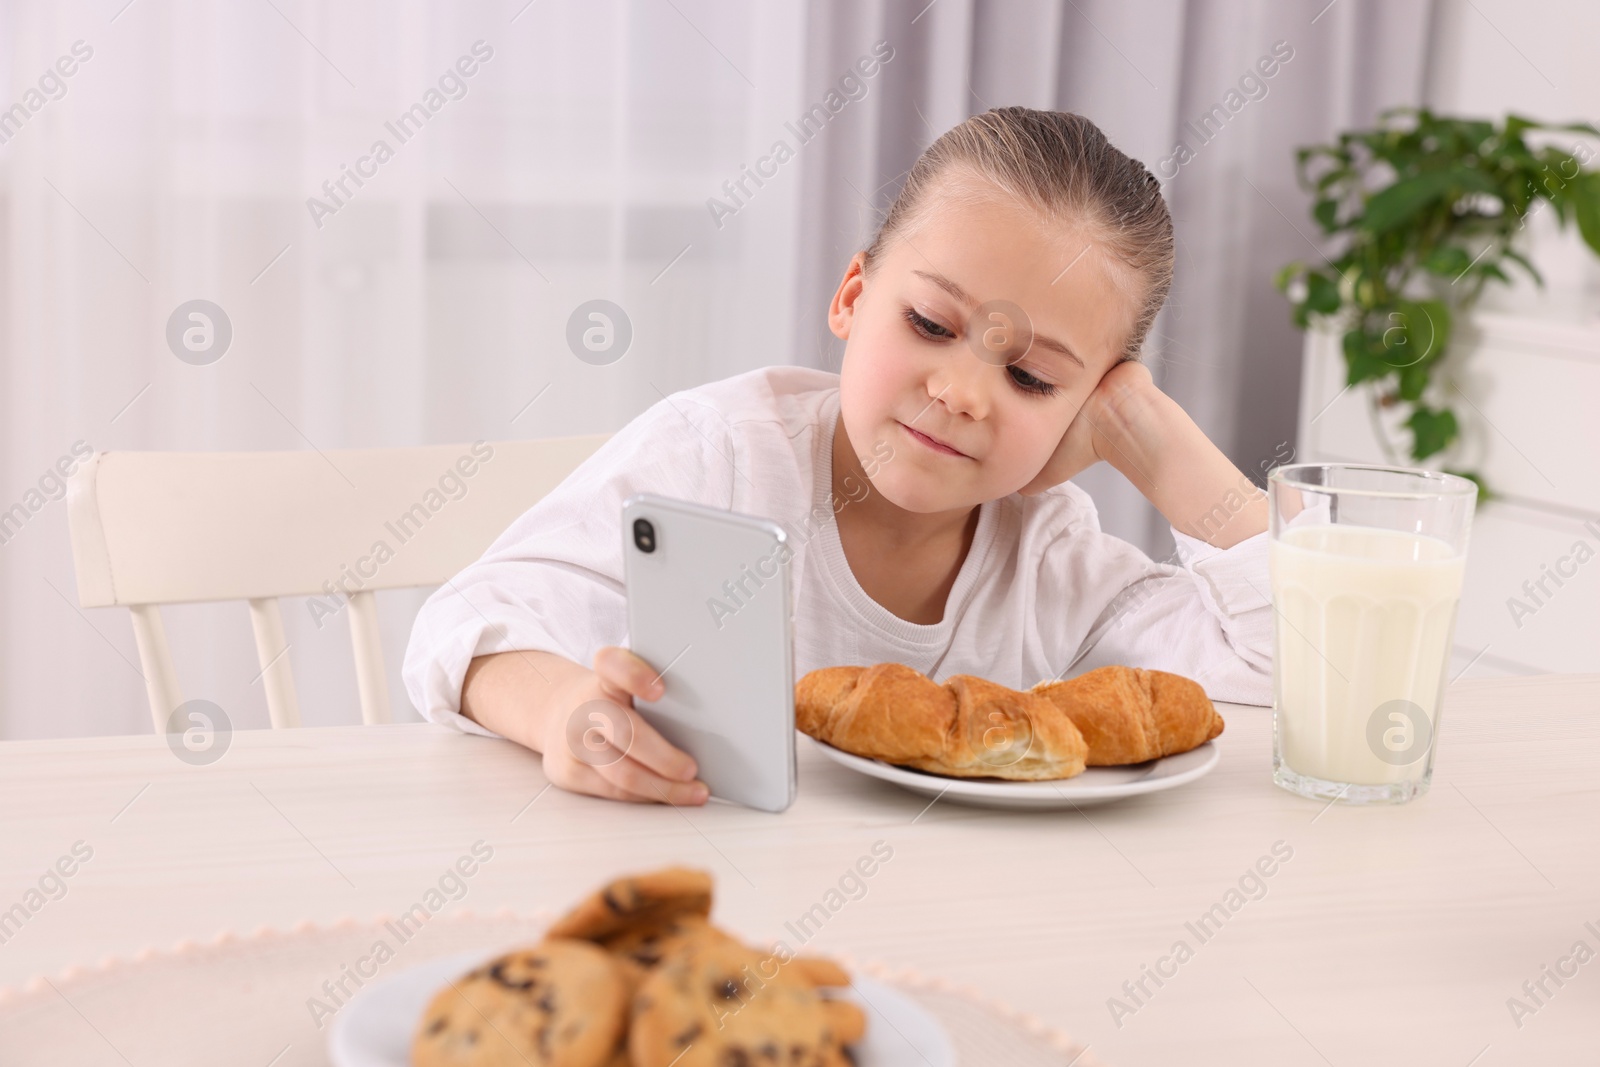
<point x="153" y="528"/>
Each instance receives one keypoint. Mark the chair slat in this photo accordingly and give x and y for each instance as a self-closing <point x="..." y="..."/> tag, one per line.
<point x="371" y="682"/>
<point x="272" y="652"/>
<point x="155" y="657"/>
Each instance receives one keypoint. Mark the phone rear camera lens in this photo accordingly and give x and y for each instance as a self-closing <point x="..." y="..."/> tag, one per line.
<point x="644" y="535"/>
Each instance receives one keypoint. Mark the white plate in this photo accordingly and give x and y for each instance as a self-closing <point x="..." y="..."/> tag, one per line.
<point x="1096" y="785"/>
<point x="375" y="1028"/>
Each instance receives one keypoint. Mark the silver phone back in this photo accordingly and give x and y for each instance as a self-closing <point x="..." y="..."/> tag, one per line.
<point x="712" y="608"/>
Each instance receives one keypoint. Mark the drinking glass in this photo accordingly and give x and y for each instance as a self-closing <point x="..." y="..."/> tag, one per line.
<point x="1366" y="565"/>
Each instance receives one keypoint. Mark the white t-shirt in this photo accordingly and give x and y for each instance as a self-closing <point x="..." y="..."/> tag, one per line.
<point x="1043" y="592"/>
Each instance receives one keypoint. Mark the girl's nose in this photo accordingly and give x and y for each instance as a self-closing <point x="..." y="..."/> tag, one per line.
<point x="962" y="382"/>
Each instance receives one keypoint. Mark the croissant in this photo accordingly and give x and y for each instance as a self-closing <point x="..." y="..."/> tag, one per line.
<point x="1130" y="715"/>
<point x="968" y="727"/>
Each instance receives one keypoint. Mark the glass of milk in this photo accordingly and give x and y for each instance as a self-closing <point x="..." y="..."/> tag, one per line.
<point x="1366" y="569"/>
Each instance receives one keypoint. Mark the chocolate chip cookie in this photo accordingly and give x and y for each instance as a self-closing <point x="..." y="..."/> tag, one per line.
<point x="641" y="900"/>
<point x="561" y="1003"/>
<point x="717" y="1003"/>
<point x="646" y="946"/>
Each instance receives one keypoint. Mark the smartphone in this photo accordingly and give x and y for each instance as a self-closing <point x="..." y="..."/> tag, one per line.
<point x="710" y="606"/>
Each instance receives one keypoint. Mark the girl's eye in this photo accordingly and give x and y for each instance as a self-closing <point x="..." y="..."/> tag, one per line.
<point x="1028" y="383"/>
<point x="926" y="326"/>
<point x="932" y="331"/>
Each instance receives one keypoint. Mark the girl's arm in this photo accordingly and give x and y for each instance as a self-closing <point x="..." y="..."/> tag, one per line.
<point x="1209" y="618"/>
<point x="511" y="692"/>
<point x="554" y="581"/>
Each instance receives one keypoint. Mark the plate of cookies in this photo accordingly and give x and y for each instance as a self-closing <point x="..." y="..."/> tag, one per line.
<point x="636" y="975"/>
<point x="1112" y="733"/>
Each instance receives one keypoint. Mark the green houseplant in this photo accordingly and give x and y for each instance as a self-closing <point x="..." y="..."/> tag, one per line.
<point x="1425" y="211"/>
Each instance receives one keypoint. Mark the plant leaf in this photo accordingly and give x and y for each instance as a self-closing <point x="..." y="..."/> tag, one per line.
<point x="1447" y="260"/>
<point x="1440" y="320"/>
<point x="1413" y="380"/>
<point x="1515" y="124"/>
<point x="1570" y="127"/>
<point x="1418" y="331"/>
<point x="1585" y="197"/>
<point x="1432" y="431"/>
<point x="1322" y="293"/>
<point x="1396" y="204"/>
<point x="1361" y="362"/>
<point x="1337" y="174"/>
<point x="1326" y="212"/>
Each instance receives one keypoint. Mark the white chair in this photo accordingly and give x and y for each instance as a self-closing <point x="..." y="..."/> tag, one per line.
<point x="153" y="528"/>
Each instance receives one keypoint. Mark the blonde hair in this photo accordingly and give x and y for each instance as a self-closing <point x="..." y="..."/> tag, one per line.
<point x="1062" y="165"/>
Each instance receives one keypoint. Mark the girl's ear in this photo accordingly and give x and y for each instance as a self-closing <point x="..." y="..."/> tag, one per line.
<point x="841" y="312"/>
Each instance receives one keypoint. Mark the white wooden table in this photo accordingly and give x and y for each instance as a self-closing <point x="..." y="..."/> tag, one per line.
<point x="1391" y="936"/>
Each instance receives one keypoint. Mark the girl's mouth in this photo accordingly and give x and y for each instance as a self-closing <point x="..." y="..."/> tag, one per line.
<point x="937" y="446"/>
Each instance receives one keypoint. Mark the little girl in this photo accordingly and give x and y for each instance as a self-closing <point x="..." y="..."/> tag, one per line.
<point x="992" y="333"/>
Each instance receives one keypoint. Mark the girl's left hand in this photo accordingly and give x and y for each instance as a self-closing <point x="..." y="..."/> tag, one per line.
<point x="1093" y="434"/>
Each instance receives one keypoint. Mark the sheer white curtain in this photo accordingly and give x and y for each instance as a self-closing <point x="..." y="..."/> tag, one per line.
<point x="575" y="162"/>
<point x="431" y="305"/>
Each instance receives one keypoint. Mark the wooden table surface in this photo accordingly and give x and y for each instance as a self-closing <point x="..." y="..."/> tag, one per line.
<point x="1398" y="935"/>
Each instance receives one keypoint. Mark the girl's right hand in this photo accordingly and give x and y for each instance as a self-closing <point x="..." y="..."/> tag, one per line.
<point x="595" y="742"/>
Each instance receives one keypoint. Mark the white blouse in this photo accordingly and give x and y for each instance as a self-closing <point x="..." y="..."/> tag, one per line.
<point x="1043" y="592"/>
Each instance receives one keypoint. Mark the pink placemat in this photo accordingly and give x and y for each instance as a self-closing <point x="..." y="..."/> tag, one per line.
<point x="266" y="999"/>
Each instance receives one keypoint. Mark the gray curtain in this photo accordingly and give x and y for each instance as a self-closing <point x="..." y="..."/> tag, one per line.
<point x="1147" y="72"/>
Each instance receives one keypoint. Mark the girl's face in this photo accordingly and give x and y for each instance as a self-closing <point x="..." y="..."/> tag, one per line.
<point x="936" y="341"/>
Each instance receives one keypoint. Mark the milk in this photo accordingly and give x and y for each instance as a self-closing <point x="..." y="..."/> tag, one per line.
<point x="1365" y="619"/>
